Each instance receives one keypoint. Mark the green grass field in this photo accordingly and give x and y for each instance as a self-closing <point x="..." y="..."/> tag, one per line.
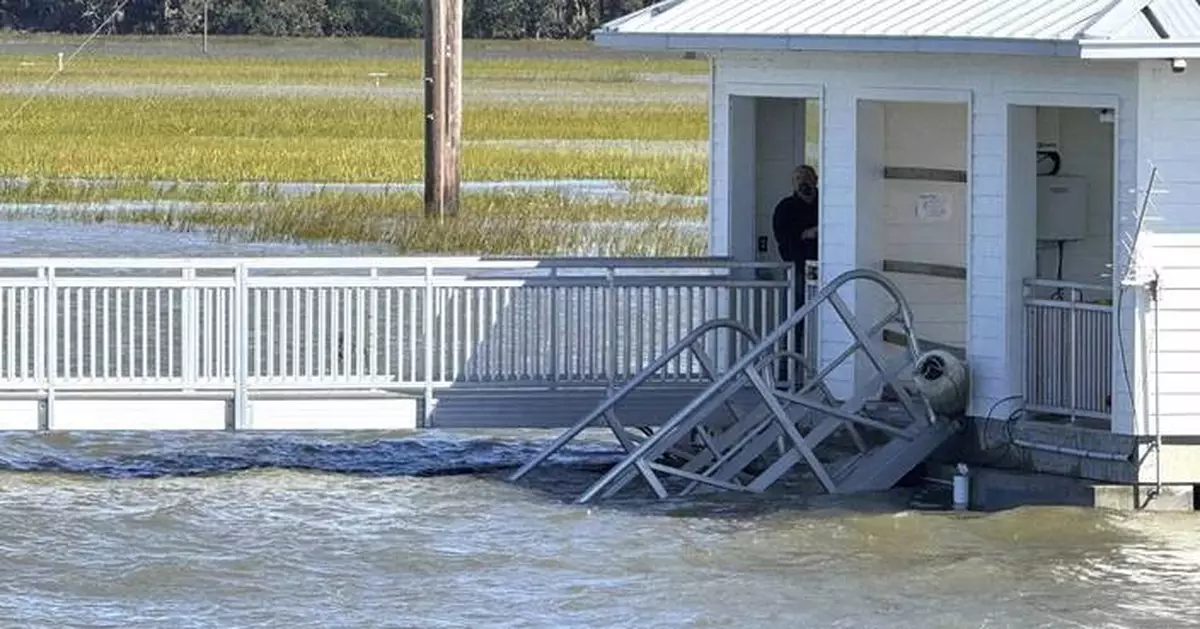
<point x="341" y="139"/>
<point x="146" y="109"/>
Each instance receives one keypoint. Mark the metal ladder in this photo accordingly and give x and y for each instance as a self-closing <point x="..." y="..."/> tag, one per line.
<point x="750" y="450"/>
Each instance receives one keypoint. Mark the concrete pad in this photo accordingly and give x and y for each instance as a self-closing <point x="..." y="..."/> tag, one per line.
<point x="1144" y="497"/>
<point x="1000" y="489"/>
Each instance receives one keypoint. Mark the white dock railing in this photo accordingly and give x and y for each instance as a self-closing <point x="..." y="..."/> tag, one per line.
<point x="1068" y="349"/>
<point x="278" y="324"/>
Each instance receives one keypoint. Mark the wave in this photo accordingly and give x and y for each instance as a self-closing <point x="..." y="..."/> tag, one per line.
<point x="120" y="457"/>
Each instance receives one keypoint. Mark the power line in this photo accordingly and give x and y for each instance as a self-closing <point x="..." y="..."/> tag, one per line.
<point x="62" y="66"/>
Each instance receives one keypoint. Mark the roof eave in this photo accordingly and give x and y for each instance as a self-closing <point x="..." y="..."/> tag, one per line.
<point x="768" y="43"/>
<point x="1140" y="49"/>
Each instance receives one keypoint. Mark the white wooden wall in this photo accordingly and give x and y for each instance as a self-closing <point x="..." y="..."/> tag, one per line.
<point x="1170" y="140"/>
<point x="988" y="85"/>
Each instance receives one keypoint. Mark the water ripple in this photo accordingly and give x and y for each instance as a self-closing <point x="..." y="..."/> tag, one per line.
<point x="416" y="456"/>
<point x="389" y="530"/>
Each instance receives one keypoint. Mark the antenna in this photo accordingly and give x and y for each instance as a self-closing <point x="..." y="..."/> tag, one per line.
<point x="1138" y="268"/>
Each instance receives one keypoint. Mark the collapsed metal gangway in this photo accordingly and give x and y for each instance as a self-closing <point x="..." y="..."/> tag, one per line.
<point x="747" y="430"/>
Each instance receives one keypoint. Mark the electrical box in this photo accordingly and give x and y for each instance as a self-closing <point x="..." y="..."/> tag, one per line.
<point x="1062" y="208"/>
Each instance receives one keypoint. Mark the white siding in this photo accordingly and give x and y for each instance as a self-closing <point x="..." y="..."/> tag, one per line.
<point x="990" y="84"/>
<point x="1022" y="221"/>
<point x="928" y="135"/>
<point x="1170" y="139"/>
<point x="870" y="238"/>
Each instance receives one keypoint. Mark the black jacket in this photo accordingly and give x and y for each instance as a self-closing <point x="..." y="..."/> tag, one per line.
<point x="792" y="216"/>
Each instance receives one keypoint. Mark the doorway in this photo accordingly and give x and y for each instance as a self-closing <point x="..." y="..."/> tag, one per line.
<point x="1061" y="188"/>
<point x="786" y="134"/>
<point x="770" y="136"/>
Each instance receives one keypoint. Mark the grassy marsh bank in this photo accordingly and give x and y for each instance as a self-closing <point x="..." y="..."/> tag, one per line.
<point x="282" y="111"/>
<point x="489" y="224"/>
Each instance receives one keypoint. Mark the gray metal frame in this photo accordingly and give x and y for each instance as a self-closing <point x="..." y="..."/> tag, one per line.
<point x="716" y="450"/>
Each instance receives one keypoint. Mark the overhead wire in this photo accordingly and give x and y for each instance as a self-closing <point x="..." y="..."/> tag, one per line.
<point x="62" y="68"/>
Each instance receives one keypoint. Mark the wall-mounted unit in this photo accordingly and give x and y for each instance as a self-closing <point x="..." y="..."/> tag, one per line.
<point x="1062" y="208"/>
<point x="1048" y="128"/>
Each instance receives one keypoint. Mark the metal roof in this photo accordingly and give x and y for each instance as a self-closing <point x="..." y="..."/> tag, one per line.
<point x="1010" y="19"/>
<point x="1058" y="27"/>
<point x="1166" y="19"/>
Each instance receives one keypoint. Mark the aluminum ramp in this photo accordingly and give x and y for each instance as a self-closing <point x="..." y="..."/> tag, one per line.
<point x="746" y="431"/>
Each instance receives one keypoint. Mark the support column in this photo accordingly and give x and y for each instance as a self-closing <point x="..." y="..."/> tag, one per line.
<point x="1020" y="247"/>
<point x="870" y="224"/>
<point x="839" y="224"/>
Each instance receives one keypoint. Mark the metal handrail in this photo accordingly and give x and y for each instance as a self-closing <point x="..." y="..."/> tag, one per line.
<point x="632" y="384"/>
<point x="1046" y="283"/>
<point x="746" y="362"/>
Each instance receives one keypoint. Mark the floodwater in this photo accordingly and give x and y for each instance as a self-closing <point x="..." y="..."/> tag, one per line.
<point x="400" y="530"/>
<point x="572" y="188"/>
<point x="31" y="238"/>
<point x="422" y="530"/>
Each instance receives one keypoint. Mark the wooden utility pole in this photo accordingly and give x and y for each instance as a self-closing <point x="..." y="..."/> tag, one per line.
<point x="452" y="169"/>
<point x="443" y="106"/>
<point x="206" y="27"/>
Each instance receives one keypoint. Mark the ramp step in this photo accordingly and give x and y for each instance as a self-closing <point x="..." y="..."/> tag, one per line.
<point x="880" y="469"/>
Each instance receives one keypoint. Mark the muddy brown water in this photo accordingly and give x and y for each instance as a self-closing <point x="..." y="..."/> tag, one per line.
<point x="423" y="530"/>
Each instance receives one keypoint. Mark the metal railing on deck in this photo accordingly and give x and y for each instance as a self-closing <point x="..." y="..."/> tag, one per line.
<point x="281" y="323"/>
<point x="1068" y="349"/>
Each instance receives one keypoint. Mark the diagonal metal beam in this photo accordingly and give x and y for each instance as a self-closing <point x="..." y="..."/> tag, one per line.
<point x="873" y="353"/>
<point x="792" y="432"/>
<point x="793" y="456"/>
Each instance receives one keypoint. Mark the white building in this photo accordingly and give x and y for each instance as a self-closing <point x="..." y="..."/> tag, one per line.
<point x="937" y="124"/>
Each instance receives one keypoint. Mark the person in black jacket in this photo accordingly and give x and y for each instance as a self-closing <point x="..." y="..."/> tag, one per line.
<point x="795" y="227"/>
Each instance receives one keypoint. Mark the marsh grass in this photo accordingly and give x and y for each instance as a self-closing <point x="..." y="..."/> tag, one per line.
<point x="534" y="111"/>
<point x="339" y="140"/>
<point x="349" y="117"/>
<point x="488" y="224"/>
<point x="259" y="70"/>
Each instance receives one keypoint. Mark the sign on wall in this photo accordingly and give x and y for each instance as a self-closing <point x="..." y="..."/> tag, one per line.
<point x="933" y="206"/>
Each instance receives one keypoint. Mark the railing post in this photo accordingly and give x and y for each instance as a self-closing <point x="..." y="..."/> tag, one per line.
<point x="50" y="344"/>
<point x="555" y="375"/>
<point x="189" y="334"/>
<point x="428" y="350"/>
<point x="1072" y="347"/>
<point x="372" y="321"/>
<point x="241" y="347"/>
<point x="789" y="292"/>
<point x="1026" y="331"/>
<point x="610" y="331"/>
<point x="812" y="329"/>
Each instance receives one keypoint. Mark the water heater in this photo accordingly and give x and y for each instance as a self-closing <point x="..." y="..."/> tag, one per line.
<point x="1062" y="208"/>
